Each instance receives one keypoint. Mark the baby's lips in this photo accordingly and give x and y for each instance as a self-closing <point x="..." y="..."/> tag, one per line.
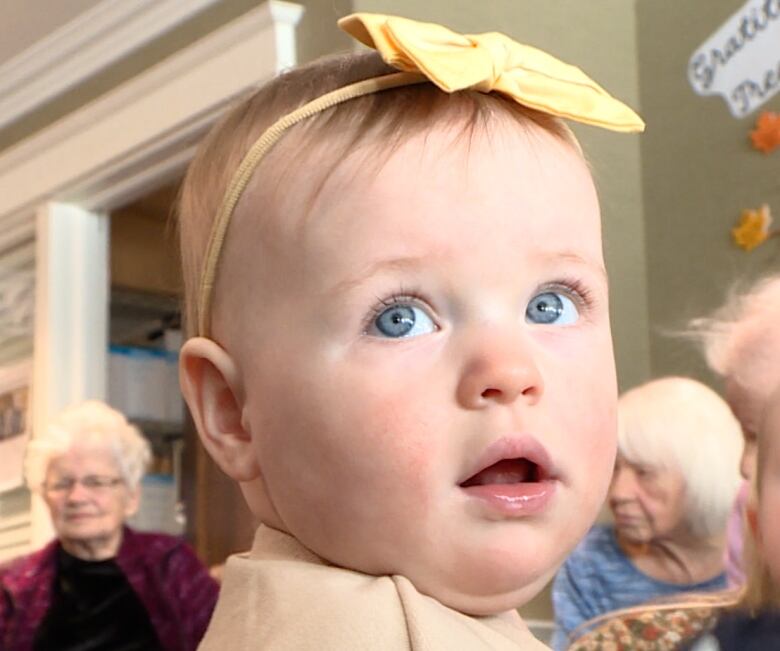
<point x="506" y="471"/>
<point x="516" y="446"/>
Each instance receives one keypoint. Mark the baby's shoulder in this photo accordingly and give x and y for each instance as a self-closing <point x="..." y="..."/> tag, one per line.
<point x="290" y="604"/>
<point x="335" y="591"/>
<point x="286" y="604"/>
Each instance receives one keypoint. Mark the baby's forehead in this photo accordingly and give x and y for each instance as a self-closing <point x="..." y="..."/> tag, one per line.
<point x="325" y="203"/>
<point x="310" y="169"/>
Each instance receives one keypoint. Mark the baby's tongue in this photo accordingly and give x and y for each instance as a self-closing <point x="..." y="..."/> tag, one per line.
<point x="506" y="471"/>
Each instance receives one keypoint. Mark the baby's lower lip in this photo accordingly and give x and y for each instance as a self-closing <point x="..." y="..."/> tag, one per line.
<point x="514" y="500"/>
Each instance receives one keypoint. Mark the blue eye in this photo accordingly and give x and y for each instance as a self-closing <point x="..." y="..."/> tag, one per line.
<point x="551" y="308"/>
<point x="402" y="320"/>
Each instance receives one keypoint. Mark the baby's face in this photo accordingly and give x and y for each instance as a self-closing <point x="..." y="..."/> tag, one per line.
<point x="746" y="405"/>
<point x="428" y="370"/>
<point x="769" y="502"/>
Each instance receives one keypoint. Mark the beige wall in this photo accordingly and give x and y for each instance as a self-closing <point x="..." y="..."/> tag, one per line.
<point x="699" y="172"/>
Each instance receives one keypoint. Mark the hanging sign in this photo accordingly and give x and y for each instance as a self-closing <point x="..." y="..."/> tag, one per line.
<point x="741" y="61"/>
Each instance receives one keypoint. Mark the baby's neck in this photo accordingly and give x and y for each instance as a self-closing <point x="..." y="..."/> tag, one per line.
<point x="678" y="562"/>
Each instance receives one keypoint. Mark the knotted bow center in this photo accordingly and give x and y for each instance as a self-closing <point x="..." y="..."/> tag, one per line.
<point x="497" y="60"/>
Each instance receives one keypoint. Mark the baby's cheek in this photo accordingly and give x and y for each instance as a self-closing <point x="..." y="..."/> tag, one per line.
<point x="405" y="445"/>
<point x="590" y="413"/>
<point x="591" y="439"/>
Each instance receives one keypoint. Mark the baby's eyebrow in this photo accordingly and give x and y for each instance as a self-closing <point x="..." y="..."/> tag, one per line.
<point x="412" y="262"/>
<point x="576" y="258"/>
<point x="399" y="263"/>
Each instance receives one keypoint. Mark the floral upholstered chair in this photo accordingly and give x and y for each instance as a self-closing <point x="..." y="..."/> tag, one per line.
<point x="660" y="626"/>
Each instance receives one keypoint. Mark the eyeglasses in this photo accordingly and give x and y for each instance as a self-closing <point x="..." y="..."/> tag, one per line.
<point x="93" y="483"/>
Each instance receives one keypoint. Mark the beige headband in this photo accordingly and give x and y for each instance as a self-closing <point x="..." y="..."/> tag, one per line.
<point x="426" y="52"/>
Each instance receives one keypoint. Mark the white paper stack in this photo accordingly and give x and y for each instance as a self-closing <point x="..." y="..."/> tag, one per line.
<point x="144" y="383"/>
<point x="158" y="510"/>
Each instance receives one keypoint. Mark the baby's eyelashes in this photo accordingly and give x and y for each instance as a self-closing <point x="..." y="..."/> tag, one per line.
<point x="405" y="317"/>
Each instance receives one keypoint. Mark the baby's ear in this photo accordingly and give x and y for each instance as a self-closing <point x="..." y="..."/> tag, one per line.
<point x="212" y="388"/>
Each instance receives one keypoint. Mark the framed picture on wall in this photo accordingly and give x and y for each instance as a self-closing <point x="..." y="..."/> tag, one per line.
<point x="15" y="381"/>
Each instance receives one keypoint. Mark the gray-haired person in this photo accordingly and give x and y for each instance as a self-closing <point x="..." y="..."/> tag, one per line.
<point x="675" y="479"/>
<point x="99" y="584"/>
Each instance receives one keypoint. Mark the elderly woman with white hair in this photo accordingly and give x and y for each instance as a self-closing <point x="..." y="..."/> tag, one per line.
<point x="100" y="585"/>
<point x="676" y="475"/>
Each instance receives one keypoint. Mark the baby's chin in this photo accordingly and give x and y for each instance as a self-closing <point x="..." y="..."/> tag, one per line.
<point x="474" y="586"/>
<point x="485" y="599"/>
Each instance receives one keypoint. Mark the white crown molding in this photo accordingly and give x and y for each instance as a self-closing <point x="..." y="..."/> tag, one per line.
<point x="146" y="130"/>
<point x="78" y="50"/>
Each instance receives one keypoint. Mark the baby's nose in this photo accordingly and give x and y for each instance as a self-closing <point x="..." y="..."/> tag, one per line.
<point x="500" y="371"/>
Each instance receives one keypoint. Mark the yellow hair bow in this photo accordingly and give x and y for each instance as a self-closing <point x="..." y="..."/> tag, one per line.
<point x="491" y="62"/>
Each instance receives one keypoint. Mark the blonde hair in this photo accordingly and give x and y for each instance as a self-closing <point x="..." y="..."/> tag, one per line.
<point x="741" y="339"/>
<point x="389" y="117"/>
<point x="90" y="423"/>
<point x="679" y="423"/>
<point x="761" y="591"/>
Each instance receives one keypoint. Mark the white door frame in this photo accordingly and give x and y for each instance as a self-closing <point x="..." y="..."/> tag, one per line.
<point x="135" y="138"/>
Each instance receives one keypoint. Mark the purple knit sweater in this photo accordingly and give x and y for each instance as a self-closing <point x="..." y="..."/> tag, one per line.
<point x="172" y="584"/>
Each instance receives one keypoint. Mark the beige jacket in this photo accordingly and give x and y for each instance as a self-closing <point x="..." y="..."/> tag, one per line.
<point x="282" y="597"/>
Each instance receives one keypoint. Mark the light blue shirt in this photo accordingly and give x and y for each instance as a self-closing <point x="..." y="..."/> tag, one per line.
<point x="598" y="578"/>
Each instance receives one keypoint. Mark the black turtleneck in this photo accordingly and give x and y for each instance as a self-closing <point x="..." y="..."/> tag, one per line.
<point x="94" y="608"/>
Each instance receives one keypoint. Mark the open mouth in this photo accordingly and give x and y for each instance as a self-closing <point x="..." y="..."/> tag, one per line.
<point x="506" y="471"/>
<point x="514" y="477"/>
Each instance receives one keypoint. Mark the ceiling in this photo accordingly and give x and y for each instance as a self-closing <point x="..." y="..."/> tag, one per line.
<point x="23" y="22"/>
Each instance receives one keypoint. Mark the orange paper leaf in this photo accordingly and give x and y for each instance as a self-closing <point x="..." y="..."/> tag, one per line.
<point x="766" y="135"/>
<point x="753" y="228"/>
